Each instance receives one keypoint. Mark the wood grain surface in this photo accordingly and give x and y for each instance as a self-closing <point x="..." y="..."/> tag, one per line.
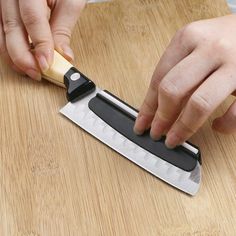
<point x="55" y="179"/>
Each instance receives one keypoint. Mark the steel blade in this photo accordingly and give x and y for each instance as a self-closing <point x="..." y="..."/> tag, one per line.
<point x="80" y="114"/>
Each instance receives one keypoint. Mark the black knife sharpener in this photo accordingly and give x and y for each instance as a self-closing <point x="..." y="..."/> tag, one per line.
<point x="123" y="122"/>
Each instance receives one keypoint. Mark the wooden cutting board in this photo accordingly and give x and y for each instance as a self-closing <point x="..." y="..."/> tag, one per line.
<point x="55" y="179"/>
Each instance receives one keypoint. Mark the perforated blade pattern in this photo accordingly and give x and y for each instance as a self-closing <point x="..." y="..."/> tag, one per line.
<point x="80" y="114"/>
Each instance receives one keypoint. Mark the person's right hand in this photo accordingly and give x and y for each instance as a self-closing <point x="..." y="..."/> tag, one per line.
<point x="24" y="19"/>
<point x="196" y="73"/>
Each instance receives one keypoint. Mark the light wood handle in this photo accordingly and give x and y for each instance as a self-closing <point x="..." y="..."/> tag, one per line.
<point x="57" y="70"/>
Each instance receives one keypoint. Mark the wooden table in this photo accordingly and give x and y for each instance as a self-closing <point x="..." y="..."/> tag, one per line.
<point x="55" y="179"/>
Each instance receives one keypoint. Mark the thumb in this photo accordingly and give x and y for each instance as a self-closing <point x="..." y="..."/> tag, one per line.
<point x="227" y="123"/>
<point x="63" y="19"/>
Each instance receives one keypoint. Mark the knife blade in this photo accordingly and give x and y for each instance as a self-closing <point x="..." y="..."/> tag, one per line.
<point x="111" y="121"/>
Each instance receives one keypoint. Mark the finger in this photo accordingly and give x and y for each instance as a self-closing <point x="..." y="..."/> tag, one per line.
<point x="15" y="35"/>
<point x="227" y="123"/>
<point x="200" y="105"/>
<point x="8" y="60"/>
<point x="4" y="54"/>
<point x="34" y="16"/>
<point x="3" y="49"/>
<point x="63" y="20"/>
<point x="180" y="47"/>
<point x="177" y="85"/>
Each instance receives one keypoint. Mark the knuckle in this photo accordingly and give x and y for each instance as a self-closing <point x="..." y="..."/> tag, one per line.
<point x="169" y="90"/>
<point x="147" y="107"/>
<point x="30" y="17"/>
<point x="43" y="46"/>
<point x="186" y="127"/>
<point x="154" y="84"/>
<point x="43" y="43"/>
<point x="191" y="29"/>
<point x="10" y="24"/>
<point x="200" y="104"/>
<point x="188" y="32"/>
<point x="62" y="31"/>
<point x="222" y="45"/>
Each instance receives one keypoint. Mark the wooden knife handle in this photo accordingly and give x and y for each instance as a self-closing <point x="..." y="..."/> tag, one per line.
<point x="62" y="73"/>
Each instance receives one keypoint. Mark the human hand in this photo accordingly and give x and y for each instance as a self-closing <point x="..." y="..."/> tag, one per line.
<point x="24" y="19"/>
<point x="194" y="76"/>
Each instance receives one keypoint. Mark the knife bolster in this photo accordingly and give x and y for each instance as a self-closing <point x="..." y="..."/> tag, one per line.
<point x="77" y="84"/>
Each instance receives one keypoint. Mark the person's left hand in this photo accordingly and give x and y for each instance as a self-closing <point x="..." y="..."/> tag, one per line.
<point x="49" y="25"/>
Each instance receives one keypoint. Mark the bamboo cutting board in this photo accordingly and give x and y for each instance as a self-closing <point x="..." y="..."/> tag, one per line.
<point x="55" y="179"/>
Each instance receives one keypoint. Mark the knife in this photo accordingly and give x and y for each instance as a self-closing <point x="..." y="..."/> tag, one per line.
<point x="111" y="120"/>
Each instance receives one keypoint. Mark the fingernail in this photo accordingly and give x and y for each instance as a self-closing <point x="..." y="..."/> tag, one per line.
<point x="172" y="140"/>
<point x="43" y="63"/>
<point x="156" y="131"/>
<point x="34" y="74"/>
<point x="140" y="125"/>
<point x="67" y="51"/>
